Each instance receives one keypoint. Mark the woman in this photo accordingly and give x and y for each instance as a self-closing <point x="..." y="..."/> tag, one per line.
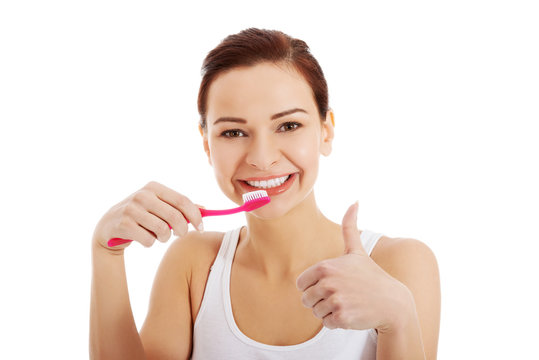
<point x="291" y="284"/>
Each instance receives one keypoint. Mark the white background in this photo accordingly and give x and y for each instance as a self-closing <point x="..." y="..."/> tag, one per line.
<point x="436" y="108"/>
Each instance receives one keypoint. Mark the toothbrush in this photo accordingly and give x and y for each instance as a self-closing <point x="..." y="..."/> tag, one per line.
<point x="252" y="201"/>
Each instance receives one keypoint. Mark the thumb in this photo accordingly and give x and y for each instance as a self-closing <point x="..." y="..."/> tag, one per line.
<point x="350" y="232"/>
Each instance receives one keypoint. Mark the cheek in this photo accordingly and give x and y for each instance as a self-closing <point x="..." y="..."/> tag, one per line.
<point x="224" y="158"/>
<point x="304" y="152"/>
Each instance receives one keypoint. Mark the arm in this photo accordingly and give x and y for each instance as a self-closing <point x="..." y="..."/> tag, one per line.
<point x="167" y="332"/>
<point x="414" y="265"/>
<point x="145" y="216"/>
<point x="113" y="334"/>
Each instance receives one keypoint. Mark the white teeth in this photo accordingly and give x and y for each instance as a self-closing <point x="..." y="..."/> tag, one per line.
<point x="270" y="183"/>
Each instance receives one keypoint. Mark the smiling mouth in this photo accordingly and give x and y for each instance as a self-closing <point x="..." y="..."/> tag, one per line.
<point x="268" y="184"/>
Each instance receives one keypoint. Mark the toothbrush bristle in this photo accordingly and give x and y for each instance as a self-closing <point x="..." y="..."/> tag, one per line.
<point x="253" y="195"/>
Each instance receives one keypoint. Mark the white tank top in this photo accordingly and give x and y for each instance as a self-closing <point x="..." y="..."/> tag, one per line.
<point x="216" y="335"/>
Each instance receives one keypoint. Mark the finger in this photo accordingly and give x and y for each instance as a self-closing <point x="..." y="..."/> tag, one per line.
<point x="150" y="222"/>
<point x="170" y="215"/>
<point x="189" y="210"/>
<point x="312" y="295"/>
<point x="308" y="278"/>
<point x="144" y="236"/>
<point x="351" y="235"/>
<point x="322" y="309"/>
<point x="331" y="321"/>
<point x="129" y="229"/>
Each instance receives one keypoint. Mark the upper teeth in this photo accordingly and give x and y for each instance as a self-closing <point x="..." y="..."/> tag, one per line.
<point x="269" y="183"/>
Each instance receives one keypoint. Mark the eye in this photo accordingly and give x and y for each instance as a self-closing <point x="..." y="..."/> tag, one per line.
<point x="290" y="126"/>
<point x="232" y="133"/>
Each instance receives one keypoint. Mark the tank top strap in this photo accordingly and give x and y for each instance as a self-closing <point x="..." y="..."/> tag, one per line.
<point x="369" y="240"/>
<point x="227" y="249"/>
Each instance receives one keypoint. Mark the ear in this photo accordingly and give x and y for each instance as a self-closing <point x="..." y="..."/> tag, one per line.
<point x="326" y="137"/>
<point x="204" y="135"/>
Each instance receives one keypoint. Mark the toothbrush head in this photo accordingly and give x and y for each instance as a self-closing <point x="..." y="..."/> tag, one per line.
<point x="255" y="199"/>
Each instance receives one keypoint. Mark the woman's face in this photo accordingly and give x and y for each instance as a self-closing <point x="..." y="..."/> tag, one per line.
<point x="263" y="123"/>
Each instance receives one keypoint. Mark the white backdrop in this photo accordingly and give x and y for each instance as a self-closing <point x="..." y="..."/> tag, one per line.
<point x="436" y="111"/>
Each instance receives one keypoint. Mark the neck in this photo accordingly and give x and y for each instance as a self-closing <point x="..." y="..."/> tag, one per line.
<point x="286" y="246"/>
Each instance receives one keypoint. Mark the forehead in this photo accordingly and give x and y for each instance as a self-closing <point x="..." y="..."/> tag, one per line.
<point x="259" y="90"/>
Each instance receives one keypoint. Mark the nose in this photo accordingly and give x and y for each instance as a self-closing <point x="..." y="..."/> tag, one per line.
<point x="262" y="153"/>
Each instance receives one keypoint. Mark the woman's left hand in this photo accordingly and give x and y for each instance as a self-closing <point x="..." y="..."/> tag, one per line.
<point x="352" y="291"/>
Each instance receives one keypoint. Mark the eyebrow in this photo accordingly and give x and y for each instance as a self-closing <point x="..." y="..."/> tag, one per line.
<point x="273" y="117"/>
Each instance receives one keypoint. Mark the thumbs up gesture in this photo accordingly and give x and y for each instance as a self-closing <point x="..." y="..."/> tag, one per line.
<point x="352" y="291"/>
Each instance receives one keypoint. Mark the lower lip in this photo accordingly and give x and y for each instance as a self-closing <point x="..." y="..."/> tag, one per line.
<point x="274" y="190"/>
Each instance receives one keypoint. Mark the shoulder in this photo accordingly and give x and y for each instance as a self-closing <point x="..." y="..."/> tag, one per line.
<point x="198" y="241"/>
<point x="195" y="250"/>
<point x="185" y="256"/>
<point x="408" y="260"/>
<point x="403" y="251"/>
<point x="399" y="256"/>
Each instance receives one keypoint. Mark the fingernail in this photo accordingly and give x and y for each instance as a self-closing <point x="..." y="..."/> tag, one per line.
<point x="200" y="227"/>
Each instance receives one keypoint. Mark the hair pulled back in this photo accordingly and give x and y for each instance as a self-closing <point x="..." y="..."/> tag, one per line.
<point x="252" y="46"/>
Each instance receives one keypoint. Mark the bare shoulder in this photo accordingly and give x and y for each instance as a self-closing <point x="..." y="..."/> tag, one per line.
<point x="196" y="249"/>
<point x="399" y="254"/>
<point x="198" y="241"/>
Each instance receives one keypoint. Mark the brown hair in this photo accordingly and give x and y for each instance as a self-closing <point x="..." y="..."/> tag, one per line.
<point x="252" y="46"/>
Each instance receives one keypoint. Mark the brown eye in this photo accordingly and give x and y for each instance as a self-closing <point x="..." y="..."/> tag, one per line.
<point x="232" y="133"/>
<point x="290" y="126"/>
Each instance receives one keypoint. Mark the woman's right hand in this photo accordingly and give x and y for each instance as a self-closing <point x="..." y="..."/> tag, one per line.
<point x="145" y="216"/>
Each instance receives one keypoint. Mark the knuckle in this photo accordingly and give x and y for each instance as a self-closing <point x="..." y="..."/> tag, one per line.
<point x="336" y="303"/>
<point x="327" y="286"/>
<point x="181" y="201"/>
<point x="338" y="318"/>
<point x="177" y="218"/>
<point x="162" y="229"/>
<point x="124" y="223"/>
<point x="324" y="268"/>
<point x="151" y="185"/>
<point x="128" y="210"/>
<point x="140" y="196"/>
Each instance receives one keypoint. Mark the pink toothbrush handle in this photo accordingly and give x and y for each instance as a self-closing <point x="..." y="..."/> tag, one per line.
<point x="206" y="212"/>
<point x="117" y="241"/>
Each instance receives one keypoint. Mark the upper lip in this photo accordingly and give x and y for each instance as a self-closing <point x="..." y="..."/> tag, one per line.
<point x="262" y="178"/>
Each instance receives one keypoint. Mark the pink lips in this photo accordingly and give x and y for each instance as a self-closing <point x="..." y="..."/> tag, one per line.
<point x="274" y="190"/>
